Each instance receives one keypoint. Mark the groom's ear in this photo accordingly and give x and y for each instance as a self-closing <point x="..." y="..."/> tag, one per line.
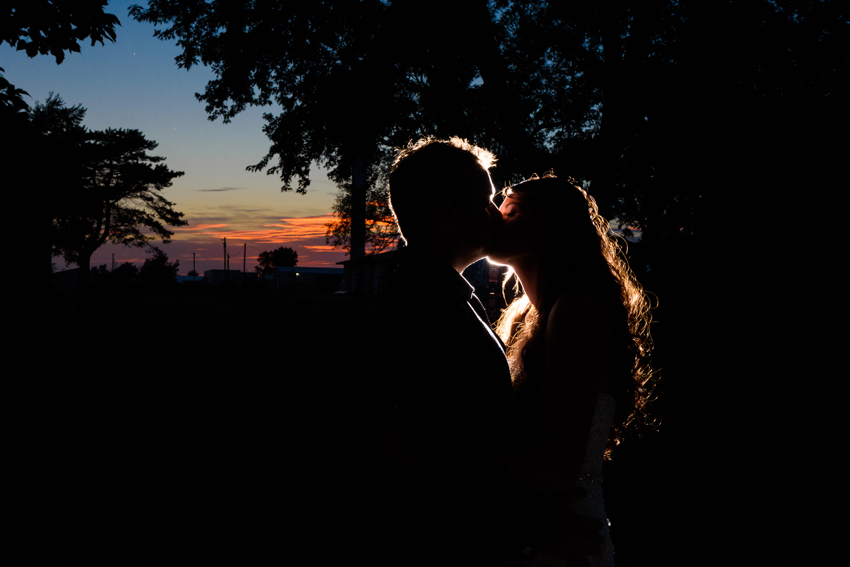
<point x="450" y="211"/>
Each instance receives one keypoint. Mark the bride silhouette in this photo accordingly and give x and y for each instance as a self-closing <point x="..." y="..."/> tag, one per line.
<point x="578" y="342"/>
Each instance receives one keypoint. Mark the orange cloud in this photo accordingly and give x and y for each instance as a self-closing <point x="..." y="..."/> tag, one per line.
<point x="291" y="229"/>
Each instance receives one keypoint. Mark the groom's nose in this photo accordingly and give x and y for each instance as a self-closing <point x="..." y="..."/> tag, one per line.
<point x="496" y="220"/>
<point x="494" y="212"/>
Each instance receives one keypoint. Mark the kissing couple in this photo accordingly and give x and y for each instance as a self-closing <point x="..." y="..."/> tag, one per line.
<point x="493" y="437"/>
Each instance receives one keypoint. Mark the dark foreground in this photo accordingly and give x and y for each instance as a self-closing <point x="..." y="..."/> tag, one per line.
<point x="151" y="430"/>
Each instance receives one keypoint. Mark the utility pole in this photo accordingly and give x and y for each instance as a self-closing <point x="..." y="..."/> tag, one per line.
<point x="195" y="277"/>
<point x="244" y="259"/>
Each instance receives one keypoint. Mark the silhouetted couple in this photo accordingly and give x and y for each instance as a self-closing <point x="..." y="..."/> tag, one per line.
<point x="494" y="441"/>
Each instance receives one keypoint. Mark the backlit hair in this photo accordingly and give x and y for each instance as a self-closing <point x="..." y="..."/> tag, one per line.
<point x="426" y="166"/>
<point x="582" y="256"/>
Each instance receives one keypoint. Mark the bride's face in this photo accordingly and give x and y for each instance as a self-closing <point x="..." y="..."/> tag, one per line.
<point x="521" y="234"/>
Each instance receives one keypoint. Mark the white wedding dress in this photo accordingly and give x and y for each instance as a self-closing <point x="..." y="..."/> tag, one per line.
<point x="590" y="478"/>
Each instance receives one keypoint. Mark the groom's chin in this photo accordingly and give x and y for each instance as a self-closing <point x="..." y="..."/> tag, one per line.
<point x="493" y="252"/>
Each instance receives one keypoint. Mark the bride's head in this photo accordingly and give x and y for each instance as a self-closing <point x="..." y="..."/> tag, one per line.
<point x="553" y="227"/>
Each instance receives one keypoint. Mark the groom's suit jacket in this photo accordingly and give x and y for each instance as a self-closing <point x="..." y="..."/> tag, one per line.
<point x="449" y="416"/>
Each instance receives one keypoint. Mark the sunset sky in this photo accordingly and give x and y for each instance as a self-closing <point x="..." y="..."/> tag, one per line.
<point x="135" y="83"/>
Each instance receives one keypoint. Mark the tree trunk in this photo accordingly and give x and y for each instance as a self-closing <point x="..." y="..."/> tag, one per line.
<point x="84" y="267"/>
<point x="502" y="97"/>
<point x="358" y="210"/>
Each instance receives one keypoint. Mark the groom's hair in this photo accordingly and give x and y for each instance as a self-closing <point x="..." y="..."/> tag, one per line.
<point x="427" y="168"/>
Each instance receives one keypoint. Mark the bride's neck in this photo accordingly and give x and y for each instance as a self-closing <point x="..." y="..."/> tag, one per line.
<point x="528" y="272"/>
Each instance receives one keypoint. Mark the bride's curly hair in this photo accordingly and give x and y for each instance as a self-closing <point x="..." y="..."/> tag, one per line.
<point x="592" y="263"/>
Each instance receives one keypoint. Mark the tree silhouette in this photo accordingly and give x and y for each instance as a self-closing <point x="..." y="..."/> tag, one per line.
<point x="111" y="187"/>
<point x="124" y="274"/>
<point x="157" y="271"/>
<point x="282" y="257"/>
<point x="40" y="27"/>
<point x="35" y="192"/>
<point x="690" y="141"/>
<point x="11" y="98"/>
<point x="44" y="26"/>
<point x="622" y="95"/>
<point x="334" y="96"/>
<point x="381" y="228"/>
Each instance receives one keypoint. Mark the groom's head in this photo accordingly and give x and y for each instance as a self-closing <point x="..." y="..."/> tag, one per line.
<point x="440" y="190"/>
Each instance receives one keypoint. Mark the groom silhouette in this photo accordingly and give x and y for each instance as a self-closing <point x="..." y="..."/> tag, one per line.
<point x="449" y="426"/>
